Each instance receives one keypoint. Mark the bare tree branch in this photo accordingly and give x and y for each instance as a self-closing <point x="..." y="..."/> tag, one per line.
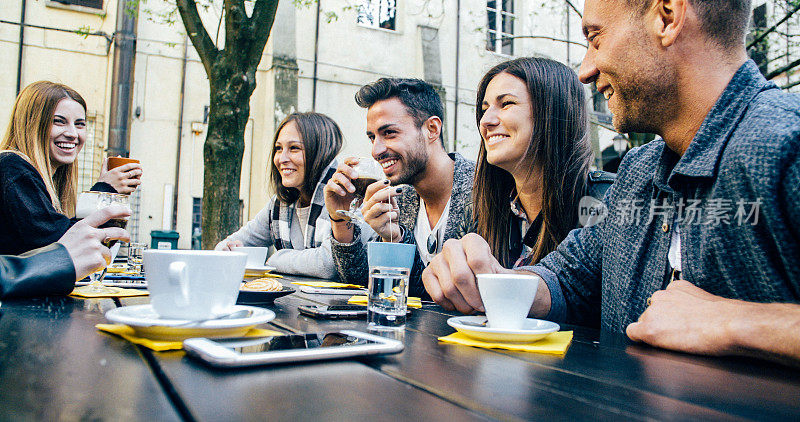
<point x="261" y="26"/>
<point x="545" y="37"/>
<point x="572" y="6"/>
<point x="235" y="24"/>
<point x="790" y="85"/>
<point x="197" y="33"/>
<point x="773" y="27"/>
<point x="783" y="69"/>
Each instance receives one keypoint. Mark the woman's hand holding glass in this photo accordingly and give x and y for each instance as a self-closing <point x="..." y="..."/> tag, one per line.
<point x="124" y="179"/>
<point x="88" y="203"/>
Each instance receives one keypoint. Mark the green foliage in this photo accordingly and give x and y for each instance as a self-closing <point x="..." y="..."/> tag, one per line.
<point x="304" y="3"/>
<point x="84" y="31"/>
<point x="132" y="6"/>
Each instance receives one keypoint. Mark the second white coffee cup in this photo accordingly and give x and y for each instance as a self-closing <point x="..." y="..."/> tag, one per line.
<point x="507" y="298"/>
<point x="256" y="255"/>
<point x="193" y="285"/>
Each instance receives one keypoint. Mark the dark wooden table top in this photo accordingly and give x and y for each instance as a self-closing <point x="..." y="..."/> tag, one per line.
<point x="54" y="365"/>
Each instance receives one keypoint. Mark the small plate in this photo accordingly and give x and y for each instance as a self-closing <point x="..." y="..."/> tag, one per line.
<point x="146" y="323"/>
<point x="251" y="297"/>
<point x="259" y="268"/>
<point x="474" y="326"/>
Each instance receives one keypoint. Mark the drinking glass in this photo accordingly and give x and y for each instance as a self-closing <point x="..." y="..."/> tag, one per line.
<point x="369" y="172"/>
<point x="89" y="202"/>
<point x="388" y="292"/>
<point x="389" y="269"/>
<point x="135" y="256"/>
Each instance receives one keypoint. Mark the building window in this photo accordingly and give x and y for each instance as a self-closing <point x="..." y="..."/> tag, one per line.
<point x="378" y="13"/>
<point x="94" y="4"/>
<point x="500" y="25"/>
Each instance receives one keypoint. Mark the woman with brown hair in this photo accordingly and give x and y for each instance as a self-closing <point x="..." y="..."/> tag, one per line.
<point x="533" y="163"/>
<point x="38" y="174"/>
<point x="302" y="159"/>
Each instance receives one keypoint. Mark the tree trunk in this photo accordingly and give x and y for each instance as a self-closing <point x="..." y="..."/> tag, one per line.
<point x="232" y="79"/>
<point x="223" y="151"/>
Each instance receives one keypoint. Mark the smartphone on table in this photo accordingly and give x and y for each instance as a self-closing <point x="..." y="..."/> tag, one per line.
<point x="332" y="291"/>
<point x="248" y="351"/>
<point x="334" y="311"/>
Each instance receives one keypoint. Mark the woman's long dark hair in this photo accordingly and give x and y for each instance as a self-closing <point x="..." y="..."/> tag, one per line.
<point x="559" y="147"/>
<point x="322" y="140"/>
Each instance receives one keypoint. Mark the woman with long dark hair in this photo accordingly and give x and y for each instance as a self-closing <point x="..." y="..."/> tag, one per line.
<point x="534" y="158"/>
<point x="294" y="220"/>
<point x="38" y="173"/>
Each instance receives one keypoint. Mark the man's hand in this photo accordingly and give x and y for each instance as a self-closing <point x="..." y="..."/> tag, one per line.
<point x="686" y="318"/>
<point x="124" y="179"/>
<point x="450" y="277"/>
<point x="381" y="211"/>
<point x="228" y="245"/>
<point x="83" y="240"/>
<point x="340" y="191"/>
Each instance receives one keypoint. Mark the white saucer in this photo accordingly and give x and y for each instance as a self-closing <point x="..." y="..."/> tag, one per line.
<point x="146" y="323"/>
<point x="259" y="268"/>
<point x="532" y="330"/>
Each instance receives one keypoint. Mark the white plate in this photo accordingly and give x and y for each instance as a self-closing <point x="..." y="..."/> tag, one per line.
<point x="532" y="330"/>
<point x="260" y="268"/>
<point x="146" y="322"/>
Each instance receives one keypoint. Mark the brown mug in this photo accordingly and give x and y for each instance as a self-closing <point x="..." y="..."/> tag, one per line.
<point x="114" y="162"/>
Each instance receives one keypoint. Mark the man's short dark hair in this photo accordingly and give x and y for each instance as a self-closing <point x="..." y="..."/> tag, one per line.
<point x="724" y="21"/>
<point x="419" y="97"/>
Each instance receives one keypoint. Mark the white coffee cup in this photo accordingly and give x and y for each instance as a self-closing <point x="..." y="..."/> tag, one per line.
<point x="193" y="285"/>
<point x="256" y="255"/>
<point x="507" y="298"/>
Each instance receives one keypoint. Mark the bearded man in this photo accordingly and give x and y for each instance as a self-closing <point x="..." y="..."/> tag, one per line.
<point x="424" y="198"/>
<point x="699" y="251"/>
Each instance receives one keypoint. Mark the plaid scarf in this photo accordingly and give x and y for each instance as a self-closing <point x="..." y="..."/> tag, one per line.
<point x="282" y="216"/>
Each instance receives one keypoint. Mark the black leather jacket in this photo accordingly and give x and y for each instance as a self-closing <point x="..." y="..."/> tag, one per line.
<point x="41" y="272"/>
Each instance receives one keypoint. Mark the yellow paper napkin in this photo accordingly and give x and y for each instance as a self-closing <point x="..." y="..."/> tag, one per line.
<point x="120" y="270"/>
<point x="327" y="284"/>
<point x="250" y="273"/>
<point x="118" y="292"/>
<point x="127" y="333"/>
<point x="554" y="344"/>
<point x="412" y="302"/>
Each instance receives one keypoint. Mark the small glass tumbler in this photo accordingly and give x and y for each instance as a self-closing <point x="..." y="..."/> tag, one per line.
<point x="135" y="257"/>
<point x="388" y="293"/>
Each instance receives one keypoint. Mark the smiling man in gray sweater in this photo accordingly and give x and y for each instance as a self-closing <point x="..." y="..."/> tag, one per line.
<point x="429" y="191"/>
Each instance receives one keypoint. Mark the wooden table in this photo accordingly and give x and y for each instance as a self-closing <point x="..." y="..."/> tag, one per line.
<point x="54" y="365"/>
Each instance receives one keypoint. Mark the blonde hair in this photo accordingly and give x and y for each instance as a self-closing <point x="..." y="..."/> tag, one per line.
<point x="28" y="135"/>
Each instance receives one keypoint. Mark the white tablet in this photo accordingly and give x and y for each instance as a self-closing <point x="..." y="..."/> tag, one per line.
<point x="247" y="351"/>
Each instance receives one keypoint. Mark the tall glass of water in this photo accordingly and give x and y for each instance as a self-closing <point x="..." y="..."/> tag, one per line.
<point x="389" y="268"/>
<point x="388" y="293"/>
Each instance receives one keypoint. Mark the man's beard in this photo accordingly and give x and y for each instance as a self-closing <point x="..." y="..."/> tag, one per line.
<point x="645" y="96"/>
<point x="643" y="108"/>
<point x="413" y="165"/>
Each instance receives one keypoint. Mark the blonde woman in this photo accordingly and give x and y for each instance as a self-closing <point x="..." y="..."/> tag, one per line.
<point x="38" y="174"/>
